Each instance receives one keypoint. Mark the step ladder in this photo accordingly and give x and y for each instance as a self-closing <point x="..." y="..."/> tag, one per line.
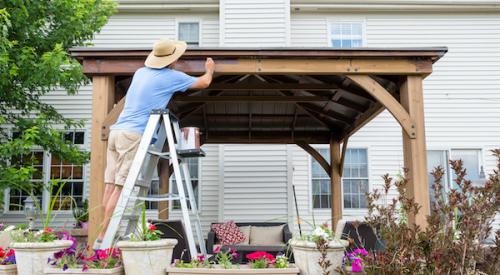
<point x="138" y="181"/>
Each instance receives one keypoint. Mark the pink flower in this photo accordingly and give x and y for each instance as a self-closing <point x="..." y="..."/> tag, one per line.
<point x="360" y="251"/>
<point x="152" y="227"/>
<point x="201" y="258"/>
<point x="357" y="265"/>
<point x="47" y="230"/>
<point x="217" y="249"/>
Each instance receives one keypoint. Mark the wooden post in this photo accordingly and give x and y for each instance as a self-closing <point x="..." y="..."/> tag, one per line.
<point x="102" y="103"/>
<point x="164" y="180"/>
<point x="415" y="152"/>
<point x="335" y="182"/>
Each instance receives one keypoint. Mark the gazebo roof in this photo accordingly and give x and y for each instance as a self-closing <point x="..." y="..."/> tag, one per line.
<point x="279" y="95"/>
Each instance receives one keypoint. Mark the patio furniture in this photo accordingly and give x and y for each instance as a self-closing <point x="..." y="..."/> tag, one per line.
<point x="174" y="229"/>
<point x="273" y="247"/>
<point x="361" y="233"/>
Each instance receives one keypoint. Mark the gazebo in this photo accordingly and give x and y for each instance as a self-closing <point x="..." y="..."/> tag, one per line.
<point x="277" y="96"/>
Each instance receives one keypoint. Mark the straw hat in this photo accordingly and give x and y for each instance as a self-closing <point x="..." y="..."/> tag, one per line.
<point x="164" y="53"/>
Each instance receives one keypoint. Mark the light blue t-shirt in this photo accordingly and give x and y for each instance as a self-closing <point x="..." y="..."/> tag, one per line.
<point x="150" y="89"/>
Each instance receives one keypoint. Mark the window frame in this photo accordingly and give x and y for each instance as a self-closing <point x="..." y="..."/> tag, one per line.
<point x="340" y="20"/>
<point x="449" y="151"/>
<point x="47" y="162"/>
<point x="189" y="20"/>
<point x="352" y="211"/>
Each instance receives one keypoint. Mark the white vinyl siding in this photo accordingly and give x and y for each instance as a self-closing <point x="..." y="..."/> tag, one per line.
<point x="251" y="23"/>
<point x="255" y="183"/>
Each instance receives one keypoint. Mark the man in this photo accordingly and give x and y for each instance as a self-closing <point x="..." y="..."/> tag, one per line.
<point x="151" y="88"/>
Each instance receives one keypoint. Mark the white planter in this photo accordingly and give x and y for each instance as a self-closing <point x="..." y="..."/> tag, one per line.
<point x="306" y="256"/>
<point x="10" y="269"/>
<point x="77" y="271"/>
<point x="151" y="257"/>
<point x="5" y="239"/>
<point x="236" y="270"/>
<point x="31" y="258"/>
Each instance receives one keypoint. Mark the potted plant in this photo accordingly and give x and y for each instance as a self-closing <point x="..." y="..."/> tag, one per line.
<point x="81" y="216"/>
<point x="75" y="261"/>
<point x="7" y="262"/>
<point x="145" y="252"/>
<point x="318" y="253"/>
<point x="33" y="248"/>
<point x="260" y="263"/>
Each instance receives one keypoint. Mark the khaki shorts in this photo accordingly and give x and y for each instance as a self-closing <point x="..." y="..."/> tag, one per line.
<point x="122" y="146"/>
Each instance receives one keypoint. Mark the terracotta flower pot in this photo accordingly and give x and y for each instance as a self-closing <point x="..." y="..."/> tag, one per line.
<point x="10" y="269"/>
<point x="32" y="258"/>
<point x="307" y="255"/>
<point x="242" y="269"/>
<point x="149" y="257"/>
<point x="77" y="271"/>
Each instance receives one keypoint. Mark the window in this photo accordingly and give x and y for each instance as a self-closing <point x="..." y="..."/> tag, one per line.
<point x="471" y="160"/>
<point x="17" y="196"/>
<point x="44" y="163"/>
<point x="189" y="32"/>
<point x="321" y="192"/>
<point x="346" y="34"/>
<point x="355" y="180"/>
<point x="194" y="171"/>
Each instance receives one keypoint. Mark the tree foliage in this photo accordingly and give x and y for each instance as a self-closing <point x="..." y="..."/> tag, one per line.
<point x="35" y="36"/>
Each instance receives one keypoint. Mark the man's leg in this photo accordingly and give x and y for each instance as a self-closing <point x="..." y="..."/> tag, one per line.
<point x="110" y="208"/>
<point x="108" y="191"/>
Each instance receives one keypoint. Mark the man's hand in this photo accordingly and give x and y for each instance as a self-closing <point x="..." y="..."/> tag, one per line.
<point x="209" y="65"/>
<point x="205" y="80"/>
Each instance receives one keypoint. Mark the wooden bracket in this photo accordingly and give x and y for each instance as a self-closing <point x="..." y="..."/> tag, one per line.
<point x="385" y="98"/>
<point x="316" y="155"/>
<point x="111" y="119"/>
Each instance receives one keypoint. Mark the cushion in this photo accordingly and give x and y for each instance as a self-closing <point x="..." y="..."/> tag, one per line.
<point x="228" y="233"/>
<point x="266" y="235"/>
<point x="246" y="231"/>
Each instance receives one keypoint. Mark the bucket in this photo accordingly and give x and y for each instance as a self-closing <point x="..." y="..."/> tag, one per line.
<point x="190" y="138"/>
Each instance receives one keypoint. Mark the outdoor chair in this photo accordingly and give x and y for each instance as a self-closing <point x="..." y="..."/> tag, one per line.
<point x="174" y="229"/>
<point x="362" y="234"/>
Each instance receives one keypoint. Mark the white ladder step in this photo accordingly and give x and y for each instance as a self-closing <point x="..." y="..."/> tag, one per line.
<point x="162" y="197"/>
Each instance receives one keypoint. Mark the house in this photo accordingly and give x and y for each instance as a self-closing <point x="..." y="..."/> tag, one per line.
<point x="252" y="182"/>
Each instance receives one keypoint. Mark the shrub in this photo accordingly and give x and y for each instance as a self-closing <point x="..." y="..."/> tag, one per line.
<point x="458" y="225"/>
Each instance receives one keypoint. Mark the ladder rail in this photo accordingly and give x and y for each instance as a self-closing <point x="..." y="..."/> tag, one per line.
<point x="132" y="177"/>
<point x="194" y="208"/>
<point x="178" y="180"/>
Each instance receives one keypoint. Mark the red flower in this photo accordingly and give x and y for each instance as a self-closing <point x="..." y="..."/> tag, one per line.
<point x="261" y="255"/>
<point x="47" y="230"/>
<point x="2" y="253"/>
<point x="152" y="227"/>
<point x="10" y="252"/>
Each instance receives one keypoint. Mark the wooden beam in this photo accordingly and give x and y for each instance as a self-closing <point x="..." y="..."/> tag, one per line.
<point x="329" y="113"/>
<point x="102" y="102"/>
<point x="265" y="86"/>
<point x="381" y="66"/>
<point x="383" y="96"/>
<point x="414" y="148"/>
<point x="342" y="156"/>
<point x="335" y="182"/>
<point x="316" y="155"/>
<point x="250" y="98"/>
<point x="164" y="185"/>
<point x="314" y="117"/>
<point x="111" y="118"/>
<point x="272" y="137"/>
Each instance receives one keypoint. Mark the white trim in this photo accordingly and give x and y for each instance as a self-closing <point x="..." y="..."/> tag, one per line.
<point x="221" y="183"/>
<point x="394" y="5"/>
<point x="222" y="23"/>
